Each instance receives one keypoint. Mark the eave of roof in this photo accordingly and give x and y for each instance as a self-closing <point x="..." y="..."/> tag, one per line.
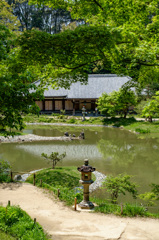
<point x="97" y="84"/>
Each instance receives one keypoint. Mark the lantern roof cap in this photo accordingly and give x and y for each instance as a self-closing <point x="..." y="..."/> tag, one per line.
<point x="86" y="168"/>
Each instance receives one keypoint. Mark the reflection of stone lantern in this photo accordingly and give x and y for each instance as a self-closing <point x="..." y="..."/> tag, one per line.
<point x="86" y="180"/>
<point x="83" y="112"/>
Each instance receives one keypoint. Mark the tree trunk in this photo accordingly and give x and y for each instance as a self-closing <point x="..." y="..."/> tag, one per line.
<point x="150" y="119"/>
<point x="125" y="114"/>
<point x="53" y="165"/>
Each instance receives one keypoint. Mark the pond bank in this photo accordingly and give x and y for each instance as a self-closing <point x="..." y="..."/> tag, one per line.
<point x="97" y="183"/>
<point x="32" y="137"/>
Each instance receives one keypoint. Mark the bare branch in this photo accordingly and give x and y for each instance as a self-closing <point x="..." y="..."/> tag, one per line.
<point x="98" y="4"/>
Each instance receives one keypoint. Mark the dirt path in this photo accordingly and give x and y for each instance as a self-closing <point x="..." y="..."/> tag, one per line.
<point x="62" y="223"/>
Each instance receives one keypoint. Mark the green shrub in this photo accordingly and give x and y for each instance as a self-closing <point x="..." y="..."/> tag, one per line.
<point x="119" y="185"/>
<point x="55" y="114"/>
<point x="18" y="223"/>
<point x="72" y="120"/>
<point x="64" y="179"/>
<point x="134" y="210"/>
<point x="129" y="210"/>
<point x="4" y="170"/>
<point x="4" y="236"/>
<point x="140" y="130"/>
<point x="108" y="208"/>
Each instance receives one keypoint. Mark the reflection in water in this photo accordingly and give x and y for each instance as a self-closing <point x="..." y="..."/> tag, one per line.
<point x="73" y="152"/>
<point x="111" y="151"/>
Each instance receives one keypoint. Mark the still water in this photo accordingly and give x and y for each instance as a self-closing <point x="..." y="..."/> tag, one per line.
<point x="109" y="150"/>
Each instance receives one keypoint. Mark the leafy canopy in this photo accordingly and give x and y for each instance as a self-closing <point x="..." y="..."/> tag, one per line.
<point x="121" y="36"/>
<point x="116" y="102"/>
<point x="7" y="18"/>
<point x="151" y="196"/>
<point x="16" y="96"/>
<point x="151" y="108"/>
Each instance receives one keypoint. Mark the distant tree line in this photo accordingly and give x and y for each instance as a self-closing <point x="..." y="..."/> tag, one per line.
<point x="43" y="17"/>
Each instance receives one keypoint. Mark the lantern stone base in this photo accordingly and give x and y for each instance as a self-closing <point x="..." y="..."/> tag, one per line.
<point x="86" y="205"/>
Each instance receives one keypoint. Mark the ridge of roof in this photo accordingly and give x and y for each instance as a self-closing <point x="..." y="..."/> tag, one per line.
<point x="105" y="75"/>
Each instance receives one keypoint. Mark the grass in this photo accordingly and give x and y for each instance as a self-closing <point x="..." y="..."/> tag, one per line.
<point x="66" y="179"/>
<point x="127" y="209"/>
<point x="78" y="120"/>
<point x="4" y="236"/>
<point x="18" y="224"/>
<point x="146" y="129"/>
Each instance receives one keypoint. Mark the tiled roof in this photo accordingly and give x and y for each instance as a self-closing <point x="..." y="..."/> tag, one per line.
<point x="97" y="84"/>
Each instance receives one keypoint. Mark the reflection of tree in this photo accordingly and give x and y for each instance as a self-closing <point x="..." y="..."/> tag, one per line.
<point x="120" y="153"/>
<point x="134" y="156"/>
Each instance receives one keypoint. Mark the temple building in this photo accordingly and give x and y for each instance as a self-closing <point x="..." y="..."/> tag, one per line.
<point x="72" y="100"/>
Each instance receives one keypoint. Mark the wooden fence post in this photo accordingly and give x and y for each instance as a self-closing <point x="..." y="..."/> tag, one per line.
<point x="8" y="203"/>
<point x="11" y="176"/>
<point x="75" y="203"/>
<point x="41" y="182"/>
<point x="121" y="209"/>
<point x="34" y="179"/>
<point x="58" y="192"/>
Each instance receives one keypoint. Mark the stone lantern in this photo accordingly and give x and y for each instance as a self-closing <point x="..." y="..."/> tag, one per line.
<point x="86" y="172"/>
<point x="83" y="113"/>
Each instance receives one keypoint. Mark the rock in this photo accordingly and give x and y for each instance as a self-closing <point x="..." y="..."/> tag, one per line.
<point x="18" y="177"/>
<point x="66" y="134"/>
<point x="82" y="136"/>
<point x="74" y="135"/>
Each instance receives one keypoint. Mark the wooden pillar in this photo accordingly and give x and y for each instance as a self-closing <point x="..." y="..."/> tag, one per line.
<point x="93" y="105"/>
<point x="74" y="108"/>
<point x="53" y="104"/>
<point x="63" y="104"/>
<point x="44" y="105"/>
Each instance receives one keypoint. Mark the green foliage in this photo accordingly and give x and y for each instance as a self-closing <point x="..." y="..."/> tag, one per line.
<point x="17" y="92"/>
<point x="64" y="179"/>
<point x="152" y="196"/>
<point x="54" y="158"/>
<point x="17" y="223"/>
<point x="134" y="211"/>
<point x="140" y="106"/>
<point x="34" y="109"/>
<point x="39" y="17"/>
<point x="4" y="236"/>
<point x="151" y="107"/>
<point x="7" y="18"/>
<point x="5" y="35"/>
<point x="116" y="102"/>
<point x="140" y="130"/>
<point x="119" y="185"/>
<point x="62" y="111"/>
<point x="15" y="99"/>
<point x="130" y="210"/>
<point x="4" y="168"/>
<point x="72" y="120"/>
<point x="121" y="36"/>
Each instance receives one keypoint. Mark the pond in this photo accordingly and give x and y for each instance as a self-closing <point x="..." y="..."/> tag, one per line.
<point x="109" y="150"/>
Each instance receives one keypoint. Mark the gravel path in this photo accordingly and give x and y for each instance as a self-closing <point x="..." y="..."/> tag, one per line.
<point x="62" y="223"/>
